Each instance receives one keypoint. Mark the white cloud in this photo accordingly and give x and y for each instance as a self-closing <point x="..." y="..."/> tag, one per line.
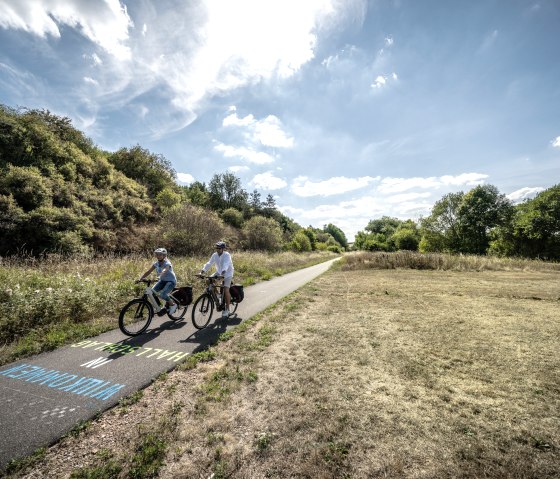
<point x="389" y="41"/>
<point x="302" y="186"/>
<point x="249" y="154"/>
<point x="382" y="80"/>
<point x="104" y="23"/>
<point x="91" y="81"/>
<point x="397" y="185"/>
<point x="238" y="168"/>
<point x="524" y="193"/>
<point x="406" y="197"/>
<point x="267" y="181"/>
<point x="556" y="142"/>
<point x="403" y="198"/>
<point x="185" y="178"/>
<point x="234" y="120"/>
<point x="231" y="49"/>
<point x="379" y="82"/>
<point x="267" y="132"/>
<point x="188" y="53"/>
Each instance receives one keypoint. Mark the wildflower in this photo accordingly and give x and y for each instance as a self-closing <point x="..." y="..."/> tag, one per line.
<point x="48" y="290"/>
<point x="8" y="292"/>
<point x="69" y="290"/>
<point x="37" y="291"/>
<point x="87" y="280"/>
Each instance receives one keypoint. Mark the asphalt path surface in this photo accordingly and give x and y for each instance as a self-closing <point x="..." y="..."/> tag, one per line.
<point x="46" y="396"/>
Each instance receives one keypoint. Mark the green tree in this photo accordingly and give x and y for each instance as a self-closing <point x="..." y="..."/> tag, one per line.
<point x="312" y="235"/>
<point x="225" y="191"/>
<point x="255" y="203"/>
<point x="533" y="230"/>
<point x="197" y="194"/>
<point x="406" y="239"/>
<point x="481" y="210"/>
<point x="149" y="169"/>
<point x="441" y="231"/>
<point x="337" y="234"/>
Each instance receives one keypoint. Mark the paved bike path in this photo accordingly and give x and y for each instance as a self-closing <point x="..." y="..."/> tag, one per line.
<point x="45" y="396"/>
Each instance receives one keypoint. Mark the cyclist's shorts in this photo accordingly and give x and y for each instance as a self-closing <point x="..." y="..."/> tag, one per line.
<point x="227" y="281"/>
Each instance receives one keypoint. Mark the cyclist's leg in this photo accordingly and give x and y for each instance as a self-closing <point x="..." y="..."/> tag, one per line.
<point x="164" y="293"/>
<point x="162" y="289"/>
<point x="227" y="295"/>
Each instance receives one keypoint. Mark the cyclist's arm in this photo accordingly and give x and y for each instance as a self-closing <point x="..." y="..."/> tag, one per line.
<point x="147" y="273"/>
<point x="211" y="261"/>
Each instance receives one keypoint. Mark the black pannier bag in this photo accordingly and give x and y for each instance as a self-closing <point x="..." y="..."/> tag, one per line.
<point x="183" y="294"/>
<point x="236" y="291"/>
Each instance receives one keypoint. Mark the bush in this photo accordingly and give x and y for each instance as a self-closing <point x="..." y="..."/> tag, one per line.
<point x="264" y="234"/>
<point x="233" y="217"/>
<point x="300" y="242"/>
<point x="189" y="229"/>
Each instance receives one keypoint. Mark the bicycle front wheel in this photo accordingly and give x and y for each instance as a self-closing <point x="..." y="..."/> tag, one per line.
<point x="135" y="317"/>
<point x="202" y="311"/>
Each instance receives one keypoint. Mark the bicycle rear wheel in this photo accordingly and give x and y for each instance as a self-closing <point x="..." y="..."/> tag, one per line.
<point x="202" y="311"/>
<point x="135" y="317"/>
<point x="232" y="307"/>
<point x="179" y="312"/>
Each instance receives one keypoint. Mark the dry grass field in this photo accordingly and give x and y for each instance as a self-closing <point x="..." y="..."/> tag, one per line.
<point x="361" y="374"/>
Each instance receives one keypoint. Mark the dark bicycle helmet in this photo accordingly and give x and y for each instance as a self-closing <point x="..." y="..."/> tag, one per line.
<point x="220" y="244"/>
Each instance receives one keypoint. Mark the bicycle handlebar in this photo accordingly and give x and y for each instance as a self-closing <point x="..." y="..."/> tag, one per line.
<point x="212" y="276"/>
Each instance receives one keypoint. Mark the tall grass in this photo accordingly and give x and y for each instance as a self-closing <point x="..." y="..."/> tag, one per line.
<point x="48" y="302"/>
<point x="439" y="261"/>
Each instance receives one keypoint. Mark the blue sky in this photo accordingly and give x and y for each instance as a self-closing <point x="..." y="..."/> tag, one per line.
<point x="344" y="110"/>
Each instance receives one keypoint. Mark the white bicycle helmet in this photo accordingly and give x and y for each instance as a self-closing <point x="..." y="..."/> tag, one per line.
<point x="221" y="244"/>
<point x="161" y="251"/>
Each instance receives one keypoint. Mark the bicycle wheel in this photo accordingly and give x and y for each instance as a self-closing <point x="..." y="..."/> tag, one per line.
<point x="202" y="311"/>
<point x="135" y="317"/>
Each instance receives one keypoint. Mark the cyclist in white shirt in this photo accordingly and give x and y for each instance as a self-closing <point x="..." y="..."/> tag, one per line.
<point x="224" y="267"/>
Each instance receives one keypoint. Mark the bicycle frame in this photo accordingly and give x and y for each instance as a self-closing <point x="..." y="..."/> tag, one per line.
<point x="211" y="289"/>
<point x="154" y="298"/>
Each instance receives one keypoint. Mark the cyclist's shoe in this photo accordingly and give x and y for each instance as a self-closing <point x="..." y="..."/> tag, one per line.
<point x="172" y="309"/>
<point x="225" y="314"/>
<point x="162" y="312"/>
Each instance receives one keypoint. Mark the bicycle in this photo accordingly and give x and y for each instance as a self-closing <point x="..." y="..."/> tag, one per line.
<point x="137" y="314"/>
<point x="213" y="296"/>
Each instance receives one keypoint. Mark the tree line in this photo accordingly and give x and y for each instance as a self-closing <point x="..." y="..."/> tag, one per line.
<point x="480" y="221"/>
<point x="61" y="193"/>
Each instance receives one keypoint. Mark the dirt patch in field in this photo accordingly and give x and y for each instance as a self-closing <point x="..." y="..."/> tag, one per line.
<point x="378" y="373"/>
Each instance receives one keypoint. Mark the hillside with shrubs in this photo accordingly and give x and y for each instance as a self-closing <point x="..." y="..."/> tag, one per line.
<point x="60" y="193"/>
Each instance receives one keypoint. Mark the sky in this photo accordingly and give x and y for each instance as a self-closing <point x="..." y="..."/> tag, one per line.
<point x="344" y="110"/>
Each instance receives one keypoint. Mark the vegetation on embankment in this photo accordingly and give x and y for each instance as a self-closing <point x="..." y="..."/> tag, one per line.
<point x="362" y="373"/>
<point x="60" y="193"/>
<point x="50" y="302"/>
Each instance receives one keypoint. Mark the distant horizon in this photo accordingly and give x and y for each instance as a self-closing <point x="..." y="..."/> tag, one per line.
<point x="344" y="111"/>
